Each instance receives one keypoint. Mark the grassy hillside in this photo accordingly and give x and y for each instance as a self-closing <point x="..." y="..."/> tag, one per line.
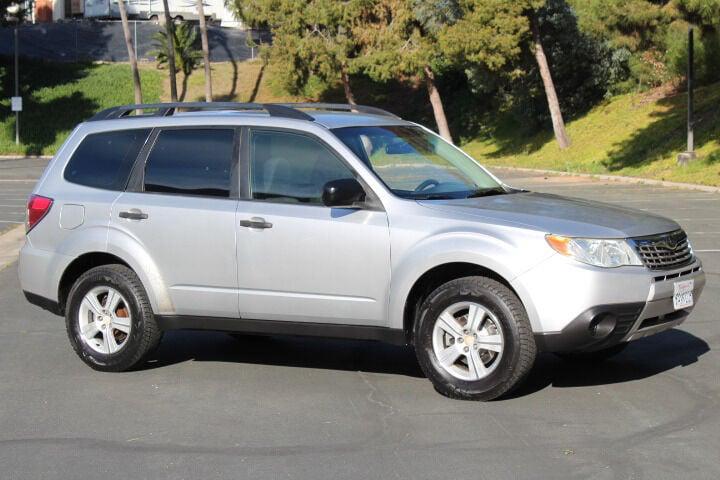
<point x="635" y="135"/>
<point x="56" y="97"/>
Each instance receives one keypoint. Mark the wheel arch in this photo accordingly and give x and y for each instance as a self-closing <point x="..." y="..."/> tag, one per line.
<point x="437" y="276"/>
<point x="80" y="265"/>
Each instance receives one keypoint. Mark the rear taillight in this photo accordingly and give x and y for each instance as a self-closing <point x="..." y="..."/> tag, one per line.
<point x="37" y="207"/>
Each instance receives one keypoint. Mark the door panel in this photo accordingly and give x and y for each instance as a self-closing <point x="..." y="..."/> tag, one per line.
<point x="192" y="241"/>
<point x="185" y="217"/>
<point x="314" y="264"/>
<point x="297" y="259"/>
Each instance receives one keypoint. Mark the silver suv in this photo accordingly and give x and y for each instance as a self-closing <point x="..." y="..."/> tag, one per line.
<point x="337" y="221"/>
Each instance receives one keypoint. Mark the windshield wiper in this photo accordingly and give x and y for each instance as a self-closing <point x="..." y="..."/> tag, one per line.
<point x="486" y="192"/>
<point x="435" y="196"/>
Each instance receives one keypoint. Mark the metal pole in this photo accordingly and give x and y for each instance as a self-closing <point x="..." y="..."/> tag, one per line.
<point x="17" y="86"/>
<point x="690" y="86"/>
<point x="135" y="37"/>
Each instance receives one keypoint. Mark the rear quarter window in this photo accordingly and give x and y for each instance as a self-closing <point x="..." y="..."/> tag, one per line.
<point x="104" y="160"/>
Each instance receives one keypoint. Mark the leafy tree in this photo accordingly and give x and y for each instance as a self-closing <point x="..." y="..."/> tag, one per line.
<point x="185" y="51"/>
<point x="493" y="34"/>
<point x="311" y="38"/>
<point x="399" y="39"/>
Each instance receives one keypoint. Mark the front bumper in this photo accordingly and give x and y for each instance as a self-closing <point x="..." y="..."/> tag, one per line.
<point x="581" y="308"/>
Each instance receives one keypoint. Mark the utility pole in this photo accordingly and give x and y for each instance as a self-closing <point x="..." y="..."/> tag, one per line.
<point x="13" y="15"/>
<point x="688" y="156"/>
<point x="17" y="87"/>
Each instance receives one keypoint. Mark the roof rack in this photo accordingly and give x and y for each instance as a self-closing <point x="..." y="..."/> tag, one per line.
<point x="340" y="107"/>
<point x="168" y="109"/>
<point x="283" y="110"/>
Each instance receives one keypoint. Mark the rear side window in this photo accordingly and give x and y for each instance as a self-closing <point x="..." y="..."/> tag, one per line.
<point x="104" y="160"/>
<point x="191" y="162"/>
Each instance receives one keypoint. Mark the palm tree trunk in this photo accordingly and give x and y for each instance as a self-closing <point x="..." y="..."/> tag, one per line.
<point x="346" y="86"/>
<point x="131" y="52"/>
<point x="437" y="105"/>
<point x="170" y="52"/>
<point x="552" y="99"/>
<point x="206" y="52"/>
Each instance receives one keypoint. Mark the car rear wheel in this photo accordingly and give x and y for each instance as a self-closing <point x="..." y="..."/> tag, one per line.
<point x="473" y="339"/>
<point x="109" y="320"/>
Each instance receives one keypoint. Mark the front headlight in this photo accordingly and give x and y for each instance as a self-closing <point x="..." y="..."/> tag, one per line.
<point x="607" y="253"/>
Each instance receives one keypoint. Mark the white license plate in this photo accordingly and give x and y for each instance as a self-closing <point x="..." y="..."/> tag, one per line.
<point x="683" y="294"/>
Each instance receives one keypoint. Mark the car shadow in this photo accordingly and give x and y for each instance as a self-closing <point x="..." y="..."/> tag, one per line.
<point x="286" y="351"/>
<point x="641" y="359"/>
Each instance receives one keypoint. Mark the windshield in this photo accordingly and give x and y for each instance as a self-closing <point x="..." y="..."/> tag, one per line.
<point x="417" y="164"/>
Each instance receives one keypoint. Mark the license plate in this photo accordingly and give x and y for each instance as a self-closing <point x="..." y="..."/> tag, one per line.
<point x="683" y="294"/>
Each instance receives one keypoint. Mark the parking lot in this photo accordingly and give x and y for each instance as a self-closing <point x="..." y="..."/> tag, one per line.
<point x="211" y="406"/>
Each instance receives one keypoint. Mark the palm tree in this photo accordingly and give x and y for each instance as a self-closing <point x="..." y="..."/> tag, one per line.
<point x="170" y="52"/>
<point x="131" y="52"/>
<point x="205" y="52"/>
<point x="185" y="51"/>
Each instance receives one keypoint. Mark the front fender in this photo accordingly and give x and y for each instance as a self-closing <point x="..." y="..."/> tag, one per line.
<point x="505" y="259"/>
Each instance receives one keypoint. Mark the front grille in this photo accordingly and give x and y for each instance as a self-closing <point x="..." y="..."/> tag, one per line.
<point x="665" y="251"/>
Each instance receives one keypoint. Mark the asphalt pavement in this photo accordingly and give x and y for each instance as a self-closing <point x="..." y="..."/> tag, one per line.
<point x="210" y="406"/>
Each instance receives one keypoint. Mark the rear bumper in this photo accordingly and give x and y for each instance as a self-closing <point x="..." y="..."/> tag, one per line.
<point x="602" y="326"/>
<point x="39" y="272"/>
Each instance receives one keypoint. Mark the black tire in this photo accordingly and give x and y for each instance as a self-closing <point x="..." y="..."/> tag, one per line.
<point x="519" y="349"/>
<point x="144" y="334"/>
<point x="596" y="356"/>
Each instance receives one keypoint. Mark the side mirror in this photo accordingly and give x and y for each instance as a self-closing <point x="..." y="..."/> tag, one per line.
<point x="346" y="192"/>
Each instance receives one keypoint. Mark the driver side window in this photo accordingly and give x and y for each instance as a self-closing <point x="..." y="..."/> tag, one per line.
<point x="291" y="168"/>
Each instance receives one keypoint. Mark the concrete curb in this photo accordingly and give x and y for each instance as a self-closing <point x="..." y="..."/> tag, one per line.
<point x="10" y="244"/>
<point x="20" y="157"/>
<point x="614" y="178"/>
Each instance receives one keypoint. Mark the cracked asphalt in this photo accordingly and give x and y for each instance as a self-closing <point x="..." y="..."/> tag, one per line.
<point x="211" y="406"/>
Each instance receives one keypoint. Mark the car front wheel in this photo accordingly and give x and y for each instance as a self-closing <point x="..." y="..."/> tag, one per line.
<point x="473" y="339"/>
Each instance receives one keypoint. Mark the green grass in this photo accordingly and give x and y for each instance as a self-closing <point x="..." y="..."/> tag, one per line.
<point x="58" y="96"/>
<point x="633" y="135"/>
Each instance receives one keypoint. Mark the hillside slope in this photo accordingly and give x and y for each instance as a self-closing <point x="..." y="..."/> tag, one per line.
<point x="634" y="134"/>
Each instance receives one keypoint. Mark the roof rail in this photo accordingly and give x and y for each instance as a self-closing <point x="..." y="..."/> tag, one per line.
<point x="341" y="107"/>
<point x="167" y="109"/>
<point x="283" y="110"/>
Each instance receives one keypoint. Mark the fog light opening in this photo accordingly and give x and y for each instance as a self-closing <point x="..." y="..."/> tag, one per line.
<point x="602" y="325"/>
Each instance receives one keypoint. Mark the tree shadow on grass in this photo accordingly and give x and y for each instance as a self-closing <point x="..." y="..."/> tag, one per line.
<point x="667" y="132"/>
<point x="41" y="120"/>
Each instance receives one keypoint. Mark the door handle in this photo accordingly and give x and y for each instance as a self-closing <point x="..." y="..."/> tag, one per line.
<point x="133" y="214"/>
<point x="255" y="222"/>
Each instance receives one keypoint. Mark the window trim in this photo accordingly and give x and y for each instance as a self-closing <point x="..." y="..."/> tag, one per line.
<point x="137" y="177"/>
<point x="372" y="200"/>
<point x="122" y="187"/>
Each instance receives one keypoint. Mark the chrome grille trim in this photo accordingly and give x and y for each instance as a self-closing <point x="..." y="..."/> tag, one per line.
<point x="665" y="251"/>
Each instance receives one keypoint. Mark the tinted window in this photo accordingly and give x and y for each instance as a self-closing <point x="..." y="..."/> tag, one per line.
<point x="292" y="168"/>
<point x="191" y="162"/>
<point x="104" y="160"/>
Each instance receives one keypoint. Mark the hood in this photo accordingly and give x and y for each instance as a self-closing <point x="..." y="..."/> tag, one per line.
<point x="559" y="215"/>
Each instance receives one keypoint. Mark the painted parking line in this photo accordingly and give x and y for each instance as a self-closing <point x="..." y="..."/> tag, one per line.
<point x="11" y="221"/>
